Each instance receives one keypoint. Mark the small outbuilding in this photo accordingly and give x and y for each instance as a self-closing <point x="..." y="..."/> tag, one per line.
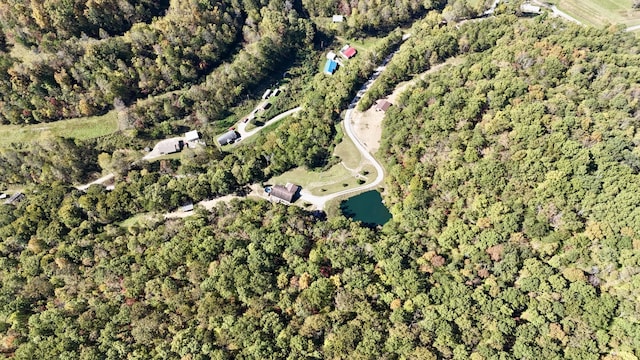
<point x="228" y="137"/>
<point x="331" y="55"/>
<point x="285" y="193"/>
<point x="330" y="67"/>
<point x="275" y="92"/>
<point x="348" y="52"/>
<point x="266" y="94"/>
<point x="191" y="136"/>
<point x="187" y="207"/>
<point x="382" y="105"/>
<point x="337" y="18"/>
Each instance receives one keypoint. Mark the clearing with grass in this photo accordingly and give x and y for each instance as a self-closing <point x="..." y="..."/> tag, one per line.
<point x="601" y="12"/>
<point x="80" y="128"/>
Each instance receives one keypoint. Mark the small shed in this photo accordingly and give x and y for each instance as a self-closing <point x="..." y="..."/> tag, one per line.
<point x="337" y="18"/>
<point x="266" y="94"/>
<point x="330" y="67"/>
<point x="187" y="207"/>
<point x="349" y="52"/>
<point x="191" y="136"/>
<point x="331" y="55"/>
<point x="382" y="105"/>
<point x="275" y="92"/>
<point x="285" y="193"/>
<point x="228" y="137"/>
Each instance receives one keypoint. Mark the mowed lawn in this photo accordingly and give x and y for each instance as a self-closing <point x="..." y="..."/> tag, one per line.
<point x="339" y="177"/>
<point x="80" y="128"/>
<point x="601" y="12"/>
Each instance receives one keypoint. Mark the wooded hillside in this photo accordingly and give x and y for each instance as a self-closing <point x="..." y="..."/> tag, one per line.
<point x="512" y="179"/>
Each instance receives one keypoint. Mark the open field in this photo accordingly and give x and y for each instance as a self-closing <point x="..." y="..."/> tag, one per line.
<point x="601" y="12"/>
<point x="344" y="175"/>
<point x="80" y="128"/>
<point x="142" y="219"/>
<point x="337" y="178"/>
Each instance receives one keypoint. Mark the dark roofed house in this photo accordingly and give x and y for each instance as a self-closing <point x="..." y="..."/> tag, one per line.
<point x="285" y="193"/>
<point x="228" y="137"/>
<point x="382" y="105"/>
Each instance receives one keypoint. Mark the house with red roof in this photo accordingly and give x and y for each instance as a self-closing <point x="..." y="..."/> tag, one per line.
<point x="348" y="52"/>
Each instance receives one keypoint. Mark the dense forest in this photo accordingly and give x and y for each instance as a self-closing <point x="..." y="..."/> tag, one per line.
<point x="90" y="56"/>
<point x="512" y="176"/>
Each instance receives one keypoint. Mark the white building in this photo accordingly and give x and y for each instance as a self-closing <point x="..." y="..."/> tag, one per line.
<point x="191" y="136"/>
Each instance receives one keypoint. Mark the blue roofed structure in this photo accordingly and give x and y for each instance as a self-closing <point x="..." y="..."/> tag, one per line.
<point x="330" y="67"/>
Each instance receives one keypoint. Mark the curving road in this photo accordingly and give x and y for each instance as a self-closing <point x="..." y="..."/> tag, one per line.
<point x="320" y="201"/>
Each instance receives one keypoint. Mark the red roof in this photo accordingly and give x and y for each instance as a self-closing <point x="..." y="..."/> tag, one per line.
<point x="350" y="52"/>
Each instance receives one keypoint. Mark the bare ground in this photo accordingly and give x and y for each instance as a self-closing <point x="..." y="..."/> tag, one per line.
<point x="367" y="125"/>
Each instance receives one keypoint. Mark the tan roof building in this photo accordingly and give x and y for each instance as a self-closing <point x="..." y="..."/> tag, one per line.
<point x="382" y="105"/>
<point x="286" y="193"/>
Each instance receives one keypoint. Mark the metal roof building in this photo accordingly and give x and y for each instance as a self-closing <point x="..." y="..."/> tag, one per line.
<point x="228" y="137"/>
<point x="348" y="51"/>
<point x="330" y="67"/>
<point x="191" y="136"/>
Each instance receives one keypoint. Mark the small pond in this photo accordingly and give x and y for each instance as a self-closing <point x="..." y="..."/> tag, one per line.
<point x="366" y="207"/>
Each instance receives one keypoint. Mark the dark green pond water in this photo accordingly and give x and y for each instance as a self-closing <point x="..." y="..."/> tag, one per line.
<point x="366" y="207"/>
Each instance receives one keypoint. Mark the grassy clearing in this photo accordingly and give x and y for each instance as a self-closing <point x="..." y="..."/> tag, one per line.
<point x="344" y="175"/>
<point x="361" y="45"/>
<point x="142" y="220"/>
<point x="601" y="12"/>
<point x="348" y="153"/>
<point x="80" y="128"/>
<point x="337" y="178"/>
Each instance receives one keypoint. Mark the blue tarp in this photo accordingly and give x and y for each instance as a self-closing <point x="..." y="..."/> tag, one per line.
<point x="330" y="67"/>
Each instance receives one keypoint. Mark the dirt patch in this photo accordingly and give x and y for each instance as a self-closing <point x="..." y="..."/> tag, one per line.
<point x="368" y="128"/>
<point x="367" y="125"/>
